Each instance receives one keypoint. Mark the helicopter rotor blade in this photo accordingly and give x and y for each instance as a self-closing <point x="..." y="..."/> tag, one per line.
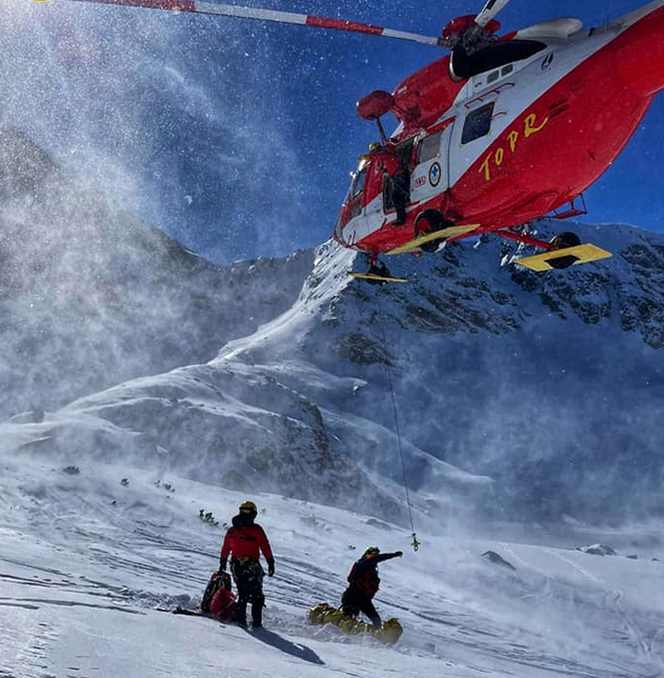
<point x="270" y="15"/>
<point x="490" y="9"/>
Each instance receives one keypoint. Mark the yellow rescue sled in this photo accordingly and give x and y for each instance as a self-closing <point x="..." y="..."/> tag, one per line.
<point x="323" y="613"/>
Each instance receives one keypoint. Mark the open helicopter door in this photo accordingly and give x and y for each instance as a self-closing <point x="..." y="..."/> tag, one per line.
<point x="405" y="151"/>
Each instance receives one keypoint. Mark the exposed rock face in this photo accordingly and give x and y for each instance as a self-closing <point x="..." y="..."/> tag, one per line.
<point x="497" y="559"/>
<point x="598" y="550"/>
<point x="549" y="384"/>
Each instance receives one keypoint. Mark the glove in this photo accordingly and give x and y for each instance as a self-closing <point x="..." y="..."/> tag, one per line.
<point x="222" y="565"/>
<point x="399" y="553"/>
<point x="270" y="567"/>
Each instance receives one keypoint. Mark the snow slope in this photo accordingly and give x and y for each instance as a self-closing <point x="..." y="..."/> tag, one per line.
<point x="86" y="561"/>
<point x="550" y="384"/>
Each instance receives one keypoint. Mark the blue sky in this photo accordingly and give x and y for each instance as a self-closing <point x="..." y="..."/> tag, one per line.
<point x="237" y="137"/>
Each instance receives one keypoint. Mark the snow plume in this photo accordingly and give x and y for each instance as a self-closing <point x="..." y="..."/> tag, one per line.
<point x="170" y="116"/>
<point x="90" y="296"/>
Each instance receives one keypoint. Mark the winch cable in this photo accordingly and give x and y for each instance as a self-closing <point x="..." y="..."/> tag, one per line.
<point x="415" y="543"/>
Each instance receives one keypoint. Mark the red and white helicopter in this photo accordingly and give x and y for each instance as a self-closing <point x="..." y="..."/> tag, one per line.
<point x="498" y="133"/>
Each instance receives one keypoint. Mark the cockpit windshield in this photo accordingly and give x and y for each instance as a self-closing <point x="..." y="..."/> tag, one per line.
<point x="357" y="184"/>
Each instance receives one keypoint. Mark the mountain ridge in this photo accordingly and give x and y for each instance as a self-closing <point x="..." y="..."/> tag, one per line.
<point x="539" y="392"/>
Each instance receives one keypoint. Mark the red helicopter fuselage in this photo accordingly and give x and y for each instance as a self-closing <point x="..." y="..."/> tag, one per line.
<point x="517" y="139"/>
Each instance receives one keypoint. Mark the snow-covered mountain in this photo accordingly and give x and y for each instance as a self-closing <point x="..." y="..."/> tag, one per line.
<point x="91" y="296"/>
<point x="523" y="407"/>
<point x="534" y="395"/>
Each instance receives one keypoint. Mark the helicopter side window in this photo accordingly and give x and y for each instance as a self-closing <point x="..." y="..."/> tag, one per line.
<point x="428" y="148"/>
<point x="478" y="123"/>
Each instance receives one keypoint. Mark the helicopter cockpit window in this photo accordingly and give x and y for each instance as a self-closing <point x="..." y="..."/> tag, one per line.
<point x="428" y="148"/>
<point x="358" y="183"/>
<point x="478" y="123"/>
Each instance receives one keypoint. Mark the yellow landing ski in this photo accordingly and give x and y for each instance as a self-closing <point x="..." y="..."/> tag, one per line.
<point x="376" y="278"/>
<point x="557" y="259"/>
<point x="443" y="234"/>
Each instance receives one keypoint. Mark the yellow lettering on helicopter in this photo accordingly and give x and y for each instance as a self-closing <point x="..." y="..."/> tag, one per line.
<point x="486" y="169"/>
<point x="513" y="137"/>
<point x="530" y="127"/>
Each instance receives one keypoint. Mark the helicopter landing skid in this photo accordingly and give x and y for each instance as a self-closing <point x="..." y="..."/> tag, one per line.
<point x="372" y="277"/>
<point x="442" y="234"/>
<point x="563" y="258"/>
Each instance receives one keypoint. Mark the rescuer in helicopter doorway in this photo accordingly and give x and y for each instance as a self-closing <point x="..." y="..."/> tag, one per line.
<point x="245" y="541"/>
<point x="397" y="170"/>
<point x="363" y="582"/>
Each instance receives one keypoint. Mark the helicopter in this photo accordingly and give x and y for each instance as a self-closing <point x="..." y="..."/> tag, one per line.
<point x="494" y="135"/>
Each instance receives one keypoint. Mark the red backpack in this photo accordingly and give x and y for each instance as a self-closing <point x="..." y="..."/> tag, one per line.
<point x="223" y="604"/>
<point x="218" y="598"/>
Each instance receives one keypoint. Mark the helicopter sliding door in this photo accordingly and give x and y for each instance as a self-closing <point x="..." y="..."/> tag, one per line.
<point x="430" y="175"/>
<point x="479" y="120"/>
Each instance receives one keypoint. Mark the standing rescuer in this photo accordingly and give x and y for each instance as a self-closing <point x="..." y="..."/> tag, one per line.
<point x="396" y="170"/>
<point x="244" y="541"/>
<point x="363" y="582"/>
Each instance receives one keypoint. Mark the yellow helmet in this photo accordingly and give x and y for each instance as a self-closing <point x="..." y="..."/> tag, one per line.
<point x="372" y="551"/>
<point x="374" y="146"/>
<point x="248" y="507"/>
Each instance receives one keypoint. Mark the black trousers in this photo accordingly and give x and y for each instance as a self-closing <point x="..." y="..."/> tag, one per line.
<point x="248" y="576"/>
<point x="401" y="194"/>
<point x="354" y="601"/>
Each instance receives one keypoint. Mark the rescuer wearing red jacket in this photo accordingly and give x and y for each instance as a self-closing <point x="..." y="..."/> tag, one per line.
<point x="363" y="582"/>
<point x="245" y="540"/>
<point x="396" y="172"/>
